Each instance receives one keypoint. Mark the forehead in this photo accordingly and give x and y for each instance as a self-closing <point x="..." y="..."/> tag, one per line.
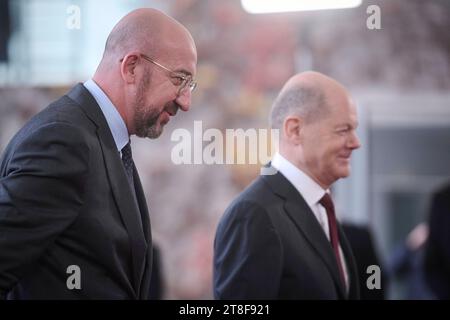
<point x="181" y="58"/>
<point x="342" y="111"/>
<point x="177" y="49"/>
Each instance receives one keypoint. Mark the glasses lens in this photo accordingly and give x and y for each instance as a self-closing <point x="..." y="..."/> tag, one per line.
<point x="189" y="83"/>
<point x="182" y="85"/>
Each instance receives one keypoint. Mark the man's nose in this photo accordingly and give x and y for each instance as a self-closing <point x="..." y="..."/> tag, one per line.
<point x="184" y="99"/>
<point x="354" y="142"/>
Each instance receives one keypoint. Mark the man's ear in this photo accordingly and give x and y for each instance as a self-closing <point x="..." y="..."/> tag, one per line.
<point x="292" y="126"/>
<point x="128" y="67"/>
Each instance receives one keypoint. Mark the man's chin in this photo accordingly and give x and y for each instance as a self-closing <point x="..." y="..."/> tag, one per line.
<point x="344" y="172"/>
<point x="154" y="136"/>
<point x="156" y="129"/>
<point x="151" y="133"/>
<point x="154" y="132"/>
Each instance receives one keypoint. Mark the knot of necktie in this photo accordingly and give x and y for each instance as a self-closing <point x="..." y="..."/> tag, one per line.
<point x="327" y="203"/>
<point x="127" y="160"/>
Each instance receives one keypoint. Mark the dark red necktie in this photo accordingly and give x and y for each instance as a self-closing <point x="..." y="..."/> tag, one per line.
<point x="334" y="237"/>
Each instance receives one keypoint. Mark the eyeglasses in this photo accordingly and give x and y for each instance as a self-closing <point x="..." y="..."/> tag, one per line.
<point x="182" y="80"/>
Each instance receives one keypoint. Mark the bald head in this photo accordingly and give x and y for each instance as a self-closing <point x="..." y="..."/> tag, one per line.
<point x="147" y="70"/>
<point x="306" y="95"/>
<point x="145" y="30"/>
<point x="317" y="121"/>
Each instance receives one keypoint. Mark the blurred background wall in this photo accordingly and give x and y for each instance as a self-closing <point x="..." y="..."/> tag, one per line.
<point x="398" y="75"/>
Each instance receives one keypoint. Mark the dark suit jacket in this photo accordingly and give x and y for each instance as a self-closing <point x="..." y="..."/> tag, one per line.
<point x="65" y="200"/>
<point x="269" y="245"/>
<point x="437" y="250"/>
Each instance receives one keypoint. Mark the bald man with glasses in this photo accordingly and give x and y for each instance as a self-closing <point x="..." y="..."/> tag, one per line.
<point x="74" y="223"/>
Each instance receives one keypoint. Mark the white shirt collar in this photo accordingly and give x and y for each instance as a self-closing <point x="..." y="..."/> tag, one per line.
<point x="113" y="118"/>
<point x="311" y="191"/>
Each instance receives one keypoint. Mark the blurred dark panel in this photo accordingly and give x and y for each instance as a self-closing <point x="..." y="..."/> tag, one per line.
<point x="421" y="151"/>
<point x="5" y="29"/>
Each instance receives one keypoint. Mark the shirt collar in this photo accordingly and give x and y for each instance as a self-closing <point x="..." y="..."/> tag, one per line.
<point x="311" y="191"/>
<point x="113" y="118"/>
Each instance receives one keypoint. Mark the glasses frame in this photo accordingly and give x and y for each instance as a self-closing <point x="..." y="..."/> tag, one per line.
<point x="187" y="80"/>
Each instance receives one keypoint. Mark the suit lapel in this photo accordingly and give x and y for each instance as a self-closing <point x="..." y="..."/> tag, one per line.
<point x="142" y="205"/>
<point x="120" y="187"/>
<point x="144" y="275"/>
<point x="300" y="213"/>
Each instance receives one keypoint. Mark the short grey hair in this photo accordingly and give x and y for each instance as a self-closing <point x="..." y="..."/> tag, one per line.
<point x="305" y="101"/>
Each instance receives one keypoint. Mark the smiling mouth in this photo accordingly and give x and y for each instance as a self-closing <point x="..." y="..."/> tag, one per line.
<point x="345" y="158"/>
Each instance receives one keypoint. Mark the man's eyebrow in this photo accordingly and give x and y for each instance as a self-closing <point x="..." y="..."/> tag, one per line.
<point x="342" y="127"/>
<point x="347" y="125"/>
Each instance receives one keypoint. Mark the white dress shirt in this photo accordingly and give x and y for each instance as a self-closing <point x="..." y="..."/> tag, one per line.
<point x="113" y="118"/>
<point x="312" y="192"/>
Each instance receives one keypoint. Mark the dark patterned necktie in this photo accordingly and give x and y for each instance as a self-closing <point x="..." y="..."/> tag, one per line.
<point x="128" y="164"/>
<point x="327" y="202"/>
<point x="127" y="160"/>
